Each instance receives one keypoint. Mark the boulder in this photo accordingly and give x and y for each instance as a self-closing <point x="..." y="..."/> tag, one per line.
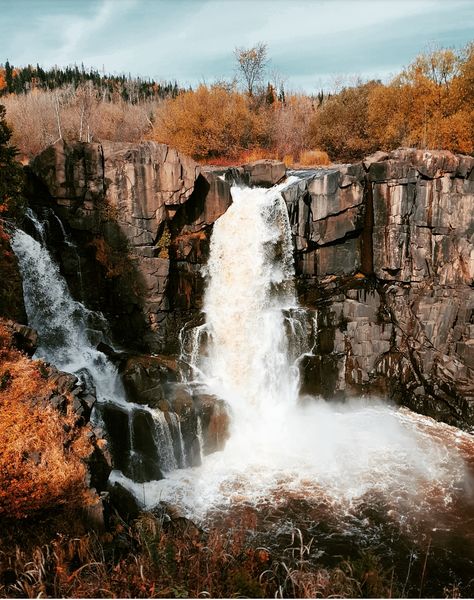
<point x="144" y="379"/>
<point x="123" y="501"/>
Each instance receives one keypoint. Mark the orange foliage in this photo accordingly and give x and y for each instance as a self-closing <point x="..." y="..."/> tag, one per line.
<point x="209" y="122"/>
<point x="41" y="464"/>
<point x="313" y="158"/>
<point x="429" y="105"/>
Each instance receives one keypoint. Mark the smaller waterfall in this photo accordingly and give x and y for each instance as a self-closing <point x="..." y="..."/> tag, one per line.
<point x="39" y="226"/>
<point x="200" y="438"/>
<point x="164" y="441"/>
<point x="67" y="340"/>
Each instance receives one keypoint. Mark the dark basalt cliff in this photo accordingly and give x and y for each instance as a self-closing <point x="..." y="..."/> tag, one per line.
<point x="384" y="250"/>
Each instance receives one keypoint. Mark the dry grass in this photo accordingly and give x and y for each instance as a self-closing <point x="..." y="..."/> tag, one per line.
<point x="156" y="559"/>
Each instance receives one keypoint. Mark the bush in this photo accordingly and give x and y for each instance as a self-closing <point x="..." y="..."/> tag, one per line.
<point x="311" y="158"/>
<point x="209" y="122"/>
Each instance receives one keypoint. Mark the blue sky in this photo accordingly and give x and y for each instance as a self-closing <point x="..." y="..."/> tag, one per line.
<point x="311" y="43"/>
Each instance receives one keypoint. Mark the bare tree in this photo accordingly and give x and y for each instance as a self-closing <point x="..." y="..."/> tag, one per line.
<point x="251" y="63"/>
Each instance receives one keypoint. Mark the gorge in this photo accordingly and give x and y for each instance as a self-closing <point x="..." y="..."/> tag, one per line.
<point x="263" y="333"/>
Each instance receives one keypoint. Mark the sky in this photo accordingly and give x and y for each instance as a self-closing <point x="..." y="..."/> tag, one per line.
<point x="312" y="44"/>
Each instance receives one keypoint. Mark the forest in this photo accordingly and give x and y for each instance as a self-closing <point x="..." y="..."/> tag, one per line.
<point x="427" y="105"/>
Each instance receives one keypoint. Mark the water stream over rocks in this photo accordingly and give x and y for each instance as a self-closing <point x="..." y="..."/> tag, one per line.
<point x="354" y="476"/>
<point x="68" y="337"/>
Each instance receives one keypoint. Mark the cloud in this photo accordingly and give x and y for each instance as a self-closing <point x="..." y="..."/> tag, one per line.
<point x="78" y="32"/>
<point x="193" y="40"/>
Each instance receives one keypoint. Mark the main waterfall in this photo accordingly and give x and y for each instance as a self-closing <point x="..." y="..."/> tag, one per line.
<point x="281" y="445"/>
<point x="242" y="352"/>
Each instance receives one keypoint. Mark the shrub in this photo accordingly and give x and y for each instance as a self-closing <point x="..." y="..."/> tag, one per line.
<point x="208" y="122"/>
<point x="310" y="158"/>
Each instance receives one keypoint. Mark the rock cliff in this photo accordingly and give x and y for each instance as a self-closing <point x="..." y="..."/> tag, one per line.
<point x="383" y="250"/>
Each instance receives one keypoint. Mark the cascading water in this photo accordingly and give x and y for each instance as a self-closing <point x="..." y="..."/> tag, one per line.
<point x="67" y="340"/>
<point x="62" y="323"/>
<point x="341" y="456"/>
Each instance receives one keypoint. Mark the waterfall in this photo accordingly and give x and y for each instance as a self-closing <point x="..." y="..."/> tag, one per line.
<point x="61" y="322"/>
<point x="66" y="341"/>
<point x="247" y="353"/>
<point x="243" y="352"/>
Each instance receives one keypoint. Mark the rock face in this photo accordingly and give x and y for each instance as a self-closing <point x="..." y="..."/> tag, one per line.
<point x="137" y="220"/>
<point x="11" y="292"/>
<point x="385" y="252"/>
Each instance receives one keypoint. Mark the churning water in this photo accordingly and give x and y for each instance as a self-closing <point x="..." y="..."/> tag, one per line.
<point x="282" y="446"/>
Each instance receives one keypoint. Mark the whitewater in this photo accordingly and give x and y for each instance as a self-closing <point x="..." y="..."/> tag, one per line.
<point x="282" y="445"/>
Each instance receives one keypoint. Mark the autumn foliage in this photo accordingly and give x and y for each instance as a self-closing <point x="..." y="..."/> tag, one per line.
<point x="428" y="105"/>
<point x="41" y="450"/>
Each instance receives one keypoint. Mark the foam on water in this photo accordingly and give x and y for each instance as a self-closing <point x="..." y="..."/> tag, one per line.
<point x="280" y="444"/>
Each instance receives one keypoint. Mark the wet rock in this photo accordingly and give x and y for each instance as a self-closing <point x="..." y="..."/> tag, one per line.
<point x="144" y="378"/>
<point x="215" y="419"/>
<point x="117" y="425"/>
<point x="144" y="464"/>
<point x="124" y="502"/>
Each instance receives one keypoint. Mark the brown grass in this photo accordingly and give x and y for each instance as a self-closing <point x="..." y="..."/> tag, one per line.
<point x="156" y="559"/>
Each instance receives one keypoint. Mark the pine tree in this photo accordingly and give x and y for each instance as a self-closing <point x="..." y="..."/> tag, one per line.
<point x="11" y="172"/>
<point x="9" y="76"/>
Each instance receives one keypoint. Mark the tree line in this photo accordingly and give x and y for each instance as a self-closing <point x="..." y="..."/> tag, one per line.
<point x="21" y="80"/>
<point x="429" y="104"/>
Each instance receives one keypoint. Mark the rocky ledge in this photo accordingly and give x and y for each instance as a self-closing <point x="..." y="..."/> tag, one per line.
<point x="383" y="250"/>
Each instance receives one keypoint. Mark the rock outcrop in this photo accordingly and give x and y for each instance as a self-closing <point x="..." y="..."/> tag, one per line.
<point x="383" y="250"/>
<point x="136" y="221"/>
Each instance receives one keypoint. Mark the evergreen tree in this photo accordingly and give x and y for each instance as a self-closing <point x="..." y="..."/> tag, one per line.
<point x="270" y="95"/>
<point x="11" y="172"/>
<point x="9" y="76"/>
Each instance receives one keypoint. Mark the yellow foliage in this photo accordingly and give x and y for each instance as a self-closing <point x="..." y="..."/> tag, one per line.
<point x="340" y="125"/>
<point x="429" y="105"/>
<point x="310" y="158"/>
